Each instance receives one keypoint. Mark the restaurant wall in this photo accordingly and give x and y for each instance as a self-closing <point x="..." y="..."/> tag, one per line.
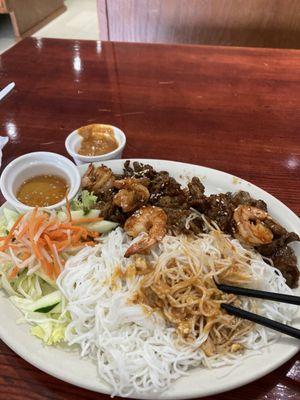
<point x="262" y="23"/>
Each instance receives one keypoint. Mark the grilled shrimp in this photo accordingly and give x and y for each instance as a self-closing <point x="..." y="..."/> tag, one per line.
<point x="250" y="225"/>
<point x="132" y="195"/>
<point x="150" y="220"/>
<point x="98" y="180"/>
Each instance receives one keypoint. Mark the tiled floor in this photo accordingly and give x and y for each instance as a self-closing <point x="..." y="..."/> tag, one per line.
<point x="78" y="22"/>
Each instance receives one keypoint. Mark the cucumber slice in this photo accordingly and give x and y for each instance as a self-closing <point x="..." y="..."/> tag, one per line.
<point x="57" y="309"/>
<point x="77" y="214"/>
<point x="47" y="302"/>
<point x="62" y="216"/>
<point x="101" y="226"/>
<point x="92" y="214"/>
<point x="81" y="214"/>
<point x="46" y="309"/>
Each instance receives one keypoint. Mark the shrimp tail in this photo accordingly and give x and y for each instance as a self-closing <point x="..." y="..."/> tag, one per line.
<point x="141" y="246"/>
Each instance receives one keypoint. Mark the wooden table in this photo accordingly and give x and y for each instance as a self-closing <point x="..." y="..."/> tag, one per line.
<point x="233" y="109"/>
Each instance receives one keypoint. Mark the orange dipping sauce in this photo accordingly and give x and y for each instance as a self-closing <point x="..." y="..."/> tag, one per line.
<point x="42" y="191"/>
<point x="97" y="139"/>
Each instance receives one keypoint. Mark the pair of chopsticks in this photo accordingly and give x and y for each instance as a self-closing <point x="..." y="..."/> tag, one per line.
<point x="258" y="319"/>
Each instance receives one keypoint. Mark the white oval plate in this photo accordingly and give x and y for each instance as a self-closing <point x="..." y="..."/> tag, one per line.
<point x="66" y="365"/>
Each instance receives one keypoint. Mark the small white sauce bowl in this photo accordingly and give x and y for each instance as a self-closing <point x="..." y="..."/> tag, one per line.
<point x="34" y="164"/>
<point x="73" y="141"/>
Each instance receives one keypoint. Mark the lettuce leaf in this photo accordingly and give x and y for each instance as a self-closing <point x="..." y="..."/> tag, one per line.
<point x="3" y="226"/>
<point x="85" y="201"/>
<point x="51" y="332"/>
<point x="7" y="219"/>
<point x="11" y="217"/>
<point x="29" y="293"/>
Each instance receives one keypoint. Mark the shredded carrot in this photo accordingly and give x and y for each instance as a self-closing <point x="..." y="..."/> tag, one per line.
<point x="86" y="220"/>
<point x="36" y="250"/>
<point x="32" y="232"/>
<point x="76" y="237"/>
<point x="13" y="273"/>
<point x="47" y="267"/>
<point x="48" y="241"/>
<point x="74" y="228"/>
<point x="10" y="235"/>
<point x="50" y="224"/>
<point x="23" y="231"/>
<point x="14" y="246"/>
<point x="55" y="264"/>
<point x="68" y="208"/>
<point x="39" y="222"/>
<point x="46" y="237"/>
<point x="62" y="245"/>
<point x="56" y="235"/>
<point x="94" y="234"/>
<point x="24" y="255"/>
<point x="41" y="242"/>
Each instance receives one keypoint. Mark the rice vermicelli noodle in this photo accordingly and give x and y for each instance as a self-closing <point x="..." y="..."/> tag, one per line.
<point x="138" y="346"/>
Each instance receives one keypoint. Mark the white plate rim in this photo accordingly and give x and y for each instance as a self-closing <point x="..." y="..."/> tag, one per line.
<point x="291" y="350"/>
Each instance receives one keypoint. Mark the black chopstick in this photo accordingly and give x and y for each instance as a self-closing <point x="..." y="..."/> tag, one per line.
<point x="260" y="294"/>
<point x="258" y="319"/>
